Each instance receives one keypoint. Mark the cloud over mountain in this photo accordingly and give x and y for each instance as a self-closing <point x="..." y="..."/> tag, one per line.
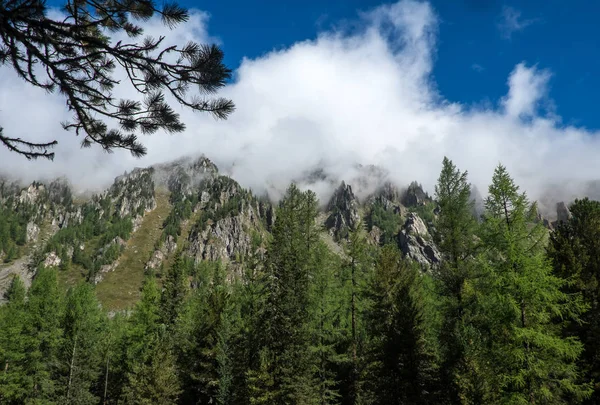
<point x="363" y="96"/>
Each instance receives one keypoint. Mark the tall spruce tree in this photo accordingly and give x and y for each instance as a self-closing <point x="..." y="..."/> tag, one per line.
<point x="284" y="325"/>
<point x="12" y="344"/>
<point x="461" y="338"/>
<point x="175" y="289"/>
<point x="403" y="361"/>
<point x="532" y="361"/>
<point x="43" y="337"/>
<point x="84" y="326"/>
<point x="151" y="376"/>
<point x="329" y="338"/>
<point x="575" y="253"/>
<point x="206" y="352"/>
<point x="356" y="271"/>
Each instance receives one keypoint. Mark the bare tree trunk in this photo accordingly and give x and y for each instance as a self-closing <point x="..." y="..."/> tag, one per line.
<point x="71" y="366"/>
<point x="354" y="343"/>
<point x="106" y="381"/>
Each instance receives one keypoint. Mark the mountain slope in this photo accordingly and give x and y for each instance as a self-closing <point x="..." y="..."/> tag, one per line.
<point x="119" y="287"/>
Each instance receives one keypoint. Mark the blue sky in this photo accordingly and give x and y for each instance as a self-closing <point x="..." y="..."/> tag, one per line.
<point x="479" y="42"/>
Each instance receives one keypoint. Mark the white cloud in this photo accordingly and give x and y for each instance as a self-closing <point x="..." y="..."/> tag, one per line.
<point x="512" y="22"/>
<point x="343" y="98"/>
<point x="527" y="87"/>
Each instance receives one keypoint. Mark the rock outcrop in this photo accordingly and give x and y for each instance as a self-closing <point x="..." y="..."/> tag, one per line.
<point x="230" y="223"/>
<point x="32" y="231"/>
<point x="52" y="260"/>
<point x="343" y="212"/>
<point x="416" y="243"/>
<point x="415" y="196"/>
<point x="563" y="214"/>
<point x="133" y="194"/>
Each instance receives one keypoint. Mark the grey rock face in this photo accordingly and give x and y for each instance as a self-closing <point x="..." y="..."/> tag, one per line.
<point x="222" y="240"/>
<point x="416" y="242"/>
<point x="389" y="197"/>
<point x="52" y="260"/>
<point x="415" y="196"/>
<point x="155" y="260"/>
<point x="105" y="269"/>
<point x="170" y="244"/>
<point x="32" y="231"/>
<point x="232" y="218"/>
<point x="375" y="236"/>
<point x="562" y="212"/>
<point x="185" y="175"/>
<point x="343" y="208"/>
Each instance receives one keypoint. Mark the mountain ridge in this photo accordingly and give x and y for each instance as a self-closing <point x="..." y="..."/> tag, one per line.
<point x="187" y="207"/>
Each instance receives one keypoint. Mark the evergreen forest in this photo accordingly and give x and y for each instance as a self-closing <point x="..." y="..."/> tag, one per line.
<point x="511" y="315"/>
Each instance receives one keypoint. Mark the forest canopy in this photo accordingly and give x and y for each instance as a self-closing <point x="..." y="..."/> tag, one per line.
<point x="509" y="317"/>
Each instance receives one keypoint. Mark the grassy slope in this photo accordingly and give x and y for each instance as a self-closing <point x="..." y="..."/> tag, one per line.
<point x="120" y="289"/>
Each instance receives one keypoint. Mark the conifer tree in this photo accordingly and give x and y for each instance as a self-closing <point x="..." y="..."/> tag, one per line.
<point x="403" y="361"/>
<point x="532" y="361"/>
<point x="461" y="340"/>
<point x="284" y="324"/>
<point x="329" y="337"/>
<point x="114" y="359"/>
<point x="155" y="381"/>
<point x="74" y="55"/>
<point x="175" y="289"/>
<point x="12" y="344"/>
<point x="43" y="336"/>
<point x="81" y="358"/>
<point x="206" y="353"/>
<point x="151" y="374"/>
<point x="356" y="272"/>
<point x="575" y="252"/>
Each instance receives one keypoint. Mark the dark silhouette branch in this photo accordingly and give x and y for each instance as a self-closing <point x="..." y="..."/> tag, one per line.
<point x="77" y="58"/>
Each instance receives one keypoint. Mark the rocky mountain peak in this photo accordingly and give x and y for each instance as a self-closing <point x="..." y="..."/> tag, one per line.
<point x="416" y="243"/>
<point x="415" y="196"/>
<point x="563" y="214"/>
<point x="343" y="208"/>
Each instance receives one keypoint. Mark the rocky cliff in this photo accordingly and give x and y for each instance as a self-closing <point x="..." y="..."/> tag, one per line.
<point x="187" y="207"/>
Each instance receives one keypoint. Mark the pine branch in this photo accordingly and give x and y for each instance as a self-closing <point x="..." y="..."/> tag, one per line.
<point x="28" y="149"/>
<point x="78" y="59"/>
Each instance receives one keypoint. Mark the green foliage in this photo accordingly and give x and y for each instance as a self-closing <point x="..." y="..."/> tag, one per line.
<point x="460" y="338"/>
<point x="575" y="252"/>
<point x="181" y="210"/>
<point x="387" y="221"/>
<point x="80" y="359"/>
<point x="284" y="326"/>
<point x="175" y="288"/>
<point x="13" y="229"/>
<point x="95" y="231"/>
<point x="531" y="360"/>
<point x="425" y="211"/>
<point x="304" y="325"/>
<point x="403" y="365"/>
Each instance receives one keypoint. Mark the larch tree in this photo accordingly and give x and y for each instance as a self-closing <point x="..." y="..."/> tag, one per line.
<point x="532" y="361"/>
<point x="76" y="56"/>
